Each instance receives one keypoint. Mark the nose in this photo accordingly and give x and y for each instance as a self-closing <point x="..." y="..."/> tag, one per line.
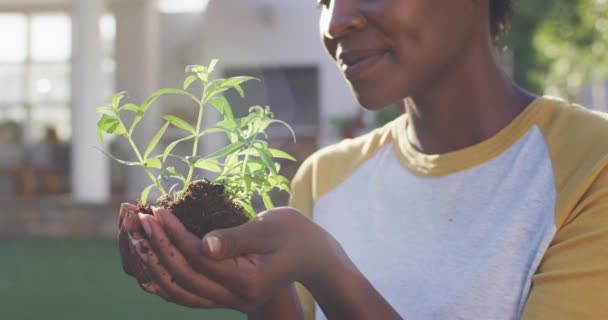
<point x="342" y="18"/>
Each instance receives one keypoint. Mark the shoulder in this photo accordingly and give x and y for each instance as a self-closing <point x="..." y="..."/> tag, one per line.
<point x="565" y="123"/>
<point x="576" y="140"/>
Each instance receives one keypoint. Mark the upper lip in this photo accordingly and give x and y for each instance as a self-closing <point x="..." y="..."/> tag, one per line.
<point x="352" y="57"/>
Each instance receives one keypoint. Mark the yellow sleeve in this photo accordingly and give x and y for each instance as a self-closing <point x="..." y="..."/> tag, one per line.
<point x="302" y="199"/>
<point x="572" y="279"/>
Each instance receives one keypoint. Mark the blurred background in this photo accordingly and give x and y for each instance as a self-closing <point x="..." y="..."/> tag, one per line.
<point x="60" y="59"/>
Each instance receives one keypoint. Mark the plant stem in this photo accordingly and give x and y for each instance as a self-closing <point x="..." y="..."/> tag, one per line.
<point x="199" y="122"/>
<point x="141" y="160"/>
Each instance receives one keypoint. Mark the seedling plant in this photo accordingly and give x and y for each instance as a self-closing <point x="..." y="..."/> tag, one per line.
<point x="244" y="168"/>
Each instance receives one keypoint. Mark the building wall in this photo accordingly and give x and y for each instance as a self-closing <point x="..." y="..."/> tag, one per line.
<point x="270" y="33"/>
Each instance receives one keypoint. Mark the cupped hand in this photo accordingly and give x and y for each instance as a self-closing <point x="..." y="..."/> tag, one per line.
<point x="130" y="229"/>
<point x="240" y="267"/>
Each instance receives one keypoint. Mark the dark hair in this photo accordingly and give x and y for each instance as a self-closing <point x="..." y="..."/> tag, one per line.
<point x="500" y="12"/>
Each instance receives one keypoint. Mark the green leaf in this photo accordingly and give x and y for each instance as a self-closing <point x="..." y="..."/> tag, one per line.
<point x="245" y="121"/>
<point x="209" y="165"/>
<point x="267" y="159"/>
<point x="230" y="82"/>
<point x="126" y="163"/>
<point x="111" y="124"/>
<point x="261" y="144"/>
<point x="170" y="147"/>
<point x="174" y="174"/>
<point x="230" y="124"/>
<point x="144" y="107"/>
<point x="239" y="89"/>
<point x="231" y="148"/>
<point x="231" y="164"/>
<point x="247" y="179"/>
<point x="180" y="158"/>
<point x="276" y="153"/>
<point x="156" y="139"/>
<point x="131" y="107"/>
<point x="212" y="65"/>
<point x="223" y="106"/>
<point x="278" y="180"/>
<point x="222" y="85"/>
<point x="233" y="137"/>
<point x="144" y="194"/>
<point x="195" y="68"/>
<point x="267" y="201"/>
<point x="287" y="126"/>
<point x="153" y="163"/>
<point x="116" y="99"/>
<point x="251" y="152"/>
<point x="180" y="123"/>
<point x="254" y="165"/>
<point x="103" y="109"/>
<point x="216" y="129"/>
<point x="189" y="81"/>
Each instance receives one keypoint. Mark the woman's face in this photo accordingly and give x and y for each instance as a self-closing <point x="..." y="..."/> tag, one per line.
<point x="391" y="49"/>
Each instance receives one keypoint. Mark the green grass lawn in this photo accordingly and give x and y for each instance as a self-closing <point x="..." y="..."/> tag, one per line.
<point x="78" y="280"/>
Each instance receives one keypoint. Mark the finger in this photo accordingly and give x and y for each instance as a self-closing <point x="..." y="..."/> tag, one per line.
<point x="130" y="225"/>
<point x="253" y="237"/>
<point x="124" y="208"/>
<point x="190" y="246"/>
<point x="182" y="272"/>
<point x="131" y="222"/>
<point x="174" y="292"/>
<point x="187" y="243"/>
<point x="125" y="252"/>
<point x="153" y="288"/>
<point x="135" y="264"/>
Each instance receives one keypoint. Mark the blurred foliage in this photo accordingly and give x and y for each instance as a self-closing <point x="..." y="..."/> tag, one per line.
<point x="559" y="45"/>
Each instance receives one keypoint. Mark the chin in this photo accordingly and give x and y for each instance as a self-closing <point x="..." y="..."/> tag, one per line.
<point x="375" y="102"/>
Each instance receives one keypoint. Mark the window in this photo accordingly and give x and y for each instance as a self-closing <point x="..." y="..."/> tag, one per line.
<point x="35" y="72"/>
<point x="292" y="94"/>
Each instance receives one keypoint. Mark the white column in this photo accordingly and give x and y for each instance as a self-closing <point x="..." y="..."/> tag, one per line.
<point x="137" y="72"/>
<point x="90" y="168"/>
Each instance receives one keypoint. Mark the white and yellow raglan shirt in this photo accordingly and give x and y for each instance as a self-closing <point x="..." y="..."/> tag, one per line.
<point x="514" y="227"/>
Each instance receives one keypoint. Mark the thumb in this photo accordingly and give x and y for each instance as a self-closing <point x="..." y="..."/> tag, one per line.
<point x="252" y="237"/>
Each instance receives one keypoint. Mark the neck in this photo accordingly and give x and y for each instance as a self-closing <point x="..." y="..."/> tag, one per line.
<point x="472" y="101"/>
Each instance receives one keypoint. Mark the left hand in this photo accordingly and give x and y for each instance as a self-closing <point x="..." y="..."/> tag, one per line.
<point x="238" y="268"/>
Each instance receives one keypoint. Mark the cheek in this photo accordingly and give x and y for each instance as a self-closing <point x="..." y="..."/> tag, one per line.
<point x="329" y="44"/>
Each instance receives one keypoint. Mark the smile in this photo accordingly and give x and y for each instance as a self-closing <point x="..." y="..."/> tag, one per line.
<point x="356" y="66"/>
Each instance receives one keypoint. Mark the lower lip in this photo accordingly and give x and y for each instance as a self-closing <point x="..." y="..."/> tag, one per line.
<point x="363" y="67"/>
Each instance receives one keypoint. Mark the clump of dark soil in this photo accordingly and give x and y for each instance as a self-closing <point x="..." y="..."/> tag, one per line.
<point x="205" y="207"/>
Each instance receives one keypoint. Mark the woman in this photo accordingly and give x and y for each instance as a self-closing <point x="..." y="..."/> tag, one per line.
<point x="482" y="202"/>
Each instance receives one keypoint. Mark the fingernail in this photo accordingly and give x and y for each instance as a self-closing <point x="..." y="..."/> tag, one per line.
<point x="214" y="244"/>
<point x="146" y="224"/>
